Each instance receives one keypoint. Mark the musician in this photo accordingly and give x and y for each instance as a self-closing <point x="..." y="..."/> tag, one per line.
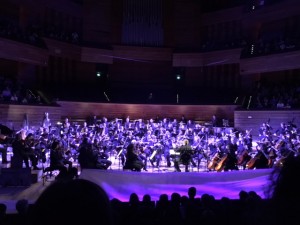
<point x="142" y="153"/>
<point x="266" y="138"/>
<point x="197" y="146"/>
<point x="175" y="123"/>
<point x="281" y="130"/>
<point x="104" y="129"/>
<point x="231" y="161"/>
<point x="233" y="135"/>
<point x="57" y="158"/>
<point x="214" y="121"/>
<point x="66" y="126"/>
<point x="133" y="162"/>
<point x="265" y="128"/>
<point x="33" y="147"/>
<point x="23" y="152"/>
<point x="157" y="152"/>
<point x="89" y="158"/>
<point x="185" y="156"/>
<point x="248" y="139"/>
<point x="167" y="145"/>
<point x="103" y="156"/>
<point x="164" y="123"/>
<point x="262" y="157"/>
<point x="127" y="124"/>
<point x="46" y="124"/>
<point x="190" y="125"/>
<point x="84" y="130"/>
<point x="243" y="151"/>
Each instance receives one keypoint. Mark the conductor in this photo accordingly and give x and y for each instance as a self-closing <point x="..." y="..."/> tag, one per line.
<point x="185" y="156"/>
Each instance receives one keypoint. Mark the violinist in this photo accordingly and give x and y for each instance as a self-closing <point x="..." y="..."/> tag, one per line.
<point x="84" y="130"/>
<point x="66" y="126"/>
<point x="265" y="128"/>
<point x="248" y="139"/>
<point x="23" y="152"/>
<point x="282" y="129"/>
<point x="198" y="149"/>
<point x="266" y="138"/>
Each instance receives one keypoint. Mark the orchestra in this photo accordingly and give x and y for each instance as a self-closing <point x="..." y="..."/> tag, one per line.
<point x="158" y="141"/>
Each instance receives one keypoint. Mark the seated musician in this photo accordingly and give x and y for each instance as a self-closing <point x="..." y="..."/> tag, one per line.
<point x="133" y="162"/>
<point x="22" y="151"/>
<point x="84" y="130"/>
<point x="65" y="128"/>
<point x="58" y="160"/>
<point x="185" y="156"/>
<point x="231" y="158"/>
<point x="89" y="158"/>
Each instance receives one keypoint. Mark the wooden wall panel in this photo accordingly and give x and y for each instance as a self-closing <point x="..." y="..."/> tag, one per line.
<point x="13" y="115"/>
<point x="145" y="111"/>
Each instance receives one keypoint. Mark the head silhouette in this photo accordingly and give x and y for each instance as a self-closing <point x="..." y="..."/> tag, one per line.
<point x="76" y="201"/>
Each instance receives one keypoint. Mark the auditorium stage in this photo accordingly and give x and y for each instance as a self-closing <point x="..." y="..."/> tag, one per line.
<point x="120" y="184"/>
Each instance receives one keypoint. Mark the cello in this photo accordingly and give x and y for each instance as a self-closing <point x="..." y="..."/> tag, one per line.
<point x="221" y="163"/>
<point x="214" y="161"/>
<point x="242" y="157"/>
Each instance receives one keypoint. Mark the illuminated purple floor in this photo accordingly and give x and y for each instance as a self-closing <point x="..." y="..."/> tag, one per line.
<point x="120" y="184"/>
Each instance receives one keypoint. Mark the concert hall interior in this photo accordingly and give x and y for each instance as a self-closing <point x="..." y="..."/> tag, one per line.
<point x="149" y="97"/>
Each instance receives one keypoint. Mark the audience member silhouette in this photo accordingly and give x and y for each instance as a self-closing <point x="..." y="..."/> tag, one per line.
<point x="284" y="193"/>
<point x="161" y="209"/>
<point x="3" y="209"/>
<point x="147" y="208"/>
<point x="76" y="201"/>
<point x="173" y="214"/>
<point x="20" y="218"/>
<point x="192" y="208"/>
<point x="133" y="215"/>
